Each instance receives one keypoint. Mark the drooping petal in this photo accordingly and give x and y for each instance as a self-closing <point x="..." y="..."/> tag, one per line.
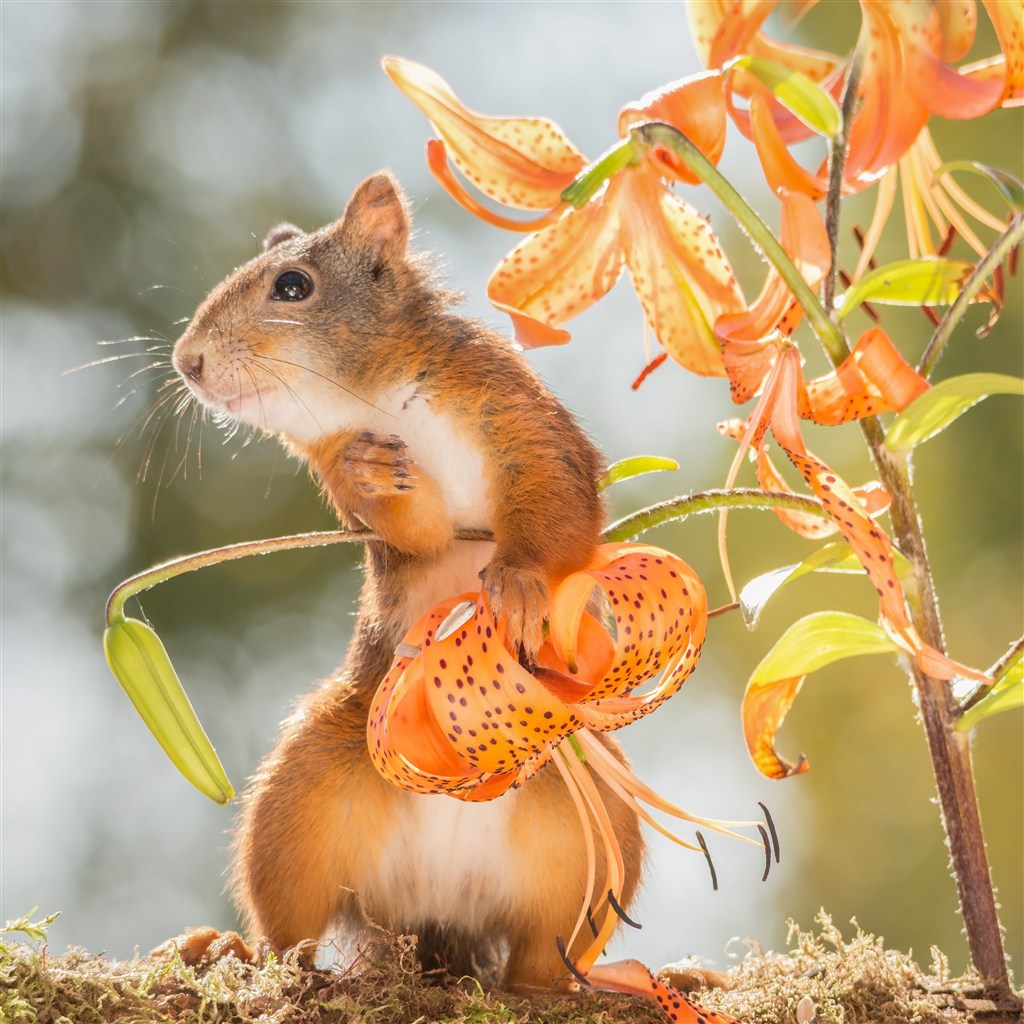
<point x="1008" y="21"/>
<point x="523" y="162"/>
<point x="868" y="540"/>
<point x="559" y="271"/>
<point x="681" y="275"/>
<point x="809" y="644"/>
<point x="696" y="106"/>
<point x="874" y="378"/>
<point x="632" y="978"/>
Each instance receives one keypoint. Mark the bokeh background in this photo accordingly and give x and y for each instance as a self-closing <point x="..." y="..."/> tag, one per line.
<point x="147" y="147"/>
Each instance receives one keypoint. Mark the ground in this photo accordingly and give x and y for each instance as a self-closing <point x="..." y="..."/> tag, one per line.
<point x="821" y="979"/>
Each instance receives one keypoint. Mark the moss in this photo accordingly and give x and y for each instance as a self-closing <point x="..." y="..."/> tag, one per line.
<point x="823" y="978"/>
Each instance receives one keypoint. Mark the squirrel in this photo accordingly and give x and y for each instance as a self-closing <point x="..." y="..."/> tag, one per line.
<point x="416" y="422"/>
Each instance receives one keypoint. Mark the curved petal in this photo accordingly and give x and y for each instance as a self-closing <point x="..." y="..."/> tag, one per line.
<point x="681" y="275"/>
<point x="559" y="271"/>
<point x="524" y="162"/>
<point x="694" y="105"/>
<point x="781" y="170"/>
<point x="1008" y="21"/>
<point x="874" y="378"/>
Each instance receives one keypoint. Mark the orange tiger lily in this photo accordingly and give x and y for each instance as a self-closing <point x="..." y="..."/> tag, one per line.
<point x="458" y="713"/>
<point x="906" y="50"/>
<point x="574" y="256"/>
<point x="761" y="359"/>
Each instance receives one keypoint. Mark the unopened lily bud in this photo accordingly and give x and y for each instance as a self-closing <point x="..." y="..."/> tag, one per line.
<point x="139" y="661"/>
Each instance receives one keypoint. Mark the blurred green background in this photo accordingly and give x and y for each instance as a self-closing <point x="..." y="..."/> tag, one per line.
<point x="147" y="147"/>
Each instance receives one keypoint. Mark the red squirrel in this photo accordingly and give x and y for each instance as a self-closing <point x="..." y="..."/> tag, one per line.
<point x="416" y="422"/>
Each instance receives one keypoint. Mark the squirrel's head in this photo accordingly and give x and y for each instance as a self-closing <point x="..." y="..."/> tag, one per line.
<point x="306" y="323"/>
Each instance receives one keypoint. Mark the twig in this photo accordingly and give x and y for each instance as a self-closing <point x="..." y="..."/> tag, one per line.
<point x="838" y="148"/>
<point x="1001" y="248"/>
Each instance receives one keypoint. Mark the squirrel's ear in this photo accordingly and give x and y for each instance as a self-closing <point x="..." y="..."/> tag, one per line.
<point x="377" y="217"/>
<point x="280" y="233"/>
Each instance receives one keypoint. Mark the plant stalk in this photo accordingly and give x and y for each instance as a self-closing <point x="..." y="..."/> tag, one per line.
<point x="949" y="749"/>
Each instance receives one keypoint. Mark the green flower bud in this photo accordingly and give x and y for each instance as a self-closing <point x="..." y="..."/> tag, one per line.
<point x="139" y="661"/>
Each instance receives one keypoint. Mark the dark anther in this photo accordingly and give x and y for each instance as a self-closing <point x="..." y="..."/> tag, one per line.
<point x="767" y="851"/>
<point x="711" y="863"/>
<point x="616" y="906"/>
<point x="771" y="828"/>
<point x="581" y="978"/>
<point x="590" y="921"/>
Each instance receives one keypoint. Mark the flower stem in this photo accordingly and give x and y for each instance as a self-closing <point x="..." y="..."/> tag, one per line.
<point x="621" y="155"/>
<point x="706" y="501"/>
<point x="1010" y="238"/>
<point x="655" y="133"/>
<point x="949" y="749"/>
<point x="837" y="164"/>
<point x="214" y="556"/>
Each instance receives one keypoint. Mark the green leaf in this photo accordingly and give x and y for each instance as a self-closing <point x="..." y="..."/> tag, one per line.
<point x="810" y="643"/>
<point x="1006" y="693"/>
<point x="933" y="411"/>
<point x="139" y="661"/>
<point x="925" y="282"/>
<point x="637" y="465"/>
<point x="837" y="556"/>
<point x="1011" y="188"/>
<point x="796" y="92"/>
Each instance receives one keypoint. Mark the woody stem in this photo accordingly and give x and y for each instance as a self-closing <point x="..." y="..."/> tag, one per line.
<point x="949" y="749"/>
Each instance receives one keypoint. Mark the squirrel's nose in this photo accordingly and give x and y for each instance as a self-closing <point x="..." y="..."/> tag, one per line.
<point x="191" y="366"/>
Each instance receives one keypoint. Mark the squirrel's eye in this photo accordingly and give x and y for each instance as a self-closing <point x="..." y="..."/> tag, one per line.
<point x="292" y="286"/>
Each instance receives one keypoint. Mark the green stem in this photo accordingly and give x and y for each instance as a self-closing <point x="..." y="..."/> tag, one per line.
<point x="621" y="155"/>
<point x="1010" y="238"/>
<point x="995" y="673"/>
<point x="655" y="133"/>
<point x="141" y="581"/>
<point x="706" y="501"/>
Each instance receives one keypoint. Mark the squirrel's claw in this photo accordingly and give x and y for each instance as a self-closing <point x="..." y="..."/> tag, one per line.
<point x="520" y="597"/>
<point x="377" y="465"/>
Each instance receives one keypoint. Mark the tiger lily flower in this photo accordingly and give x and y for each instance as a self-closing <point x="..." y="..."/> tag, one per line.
<point x="762" y="360"/>
<point x="633" y="221"/>
<point x="459" y="714"/>
<point x="906" y="49"/>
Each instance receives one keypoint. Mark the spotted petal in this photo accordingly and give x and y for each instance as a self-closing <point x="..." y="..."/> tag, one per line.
<point x="523" y="162"/>
<point x="681" y="275"/>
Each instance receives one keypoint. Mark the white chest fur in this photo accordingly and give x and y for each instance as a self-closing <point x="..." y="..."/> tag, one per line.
<point x="454" y="461"/>
<point x="447" y="863"/>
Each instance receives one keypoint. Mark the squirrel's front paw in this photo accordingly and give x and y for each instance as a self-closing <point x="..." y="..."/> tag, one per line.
<point x="521" y="596"/>
<point x="377" y="465"/>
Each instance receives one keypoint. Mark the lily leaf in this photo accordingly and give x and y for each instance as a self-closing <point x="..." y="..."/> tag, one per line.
<point x="637" y="465"/>
<point x="1006" y="694"/>
<point x="139" y="661"/>
<point x="933" y="411"/>
<point x="810" y="643"/>
<point x="835" y="557"/>
<point x="1011" y="187"/>
<point x="796" y="92"/>
<point x="924" y="282"/>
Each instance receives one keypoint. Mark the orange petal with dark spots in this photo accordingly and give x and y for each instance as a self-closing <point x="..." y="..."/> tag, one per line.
<point x="632" y="978"/>
<point x="523" y="162"/>
<point x="559" y="271"/>
<point x="681" y="274"/>
<point x="874" y="378"/>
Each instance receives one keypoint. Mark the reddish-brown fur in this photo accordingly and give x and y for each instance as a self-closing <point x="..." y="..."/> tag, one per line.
<point x="317" y="820"/>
